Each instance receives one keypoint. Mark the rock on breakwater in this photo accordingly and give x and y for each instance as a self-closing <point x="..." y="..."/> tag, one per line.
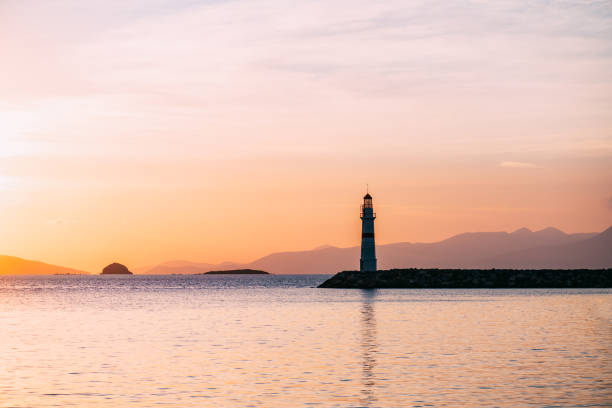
<point x="472" y="278"/>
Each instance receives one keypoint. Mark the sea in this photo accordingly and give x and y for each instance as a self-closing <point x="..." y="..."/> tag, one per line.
<point x="279" y="341"/>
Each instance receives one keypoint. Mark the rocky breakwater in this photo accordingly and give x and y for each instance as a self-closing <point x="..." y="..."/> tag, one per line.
<point x="472" y="278"/>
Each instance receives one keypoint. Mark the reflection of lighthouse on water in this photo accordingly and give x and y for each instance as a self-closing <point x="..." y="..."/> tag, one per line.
<point x="369" y="348"/>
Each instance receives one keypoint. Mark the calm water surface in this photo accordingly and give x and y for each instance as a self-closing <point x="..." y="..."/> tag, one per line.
<point x="277" y="341"/>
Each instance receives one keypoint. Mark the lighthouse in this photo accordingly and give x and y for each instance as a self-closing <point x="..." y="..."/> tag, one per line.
<point x="368" y="248"/>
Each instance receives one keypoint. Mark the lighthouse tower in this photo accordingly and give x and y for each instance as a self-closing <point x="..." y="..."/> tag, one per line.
<point x="368" y="248"/>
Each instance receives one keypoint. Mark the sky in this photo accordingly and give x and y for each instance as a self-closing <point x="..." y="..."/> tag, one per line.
<point x="145" y="131"/>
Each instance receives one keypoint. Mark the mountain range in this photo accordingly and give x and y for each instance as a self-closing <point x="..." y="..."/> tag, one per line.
<point x="521" y="249"/>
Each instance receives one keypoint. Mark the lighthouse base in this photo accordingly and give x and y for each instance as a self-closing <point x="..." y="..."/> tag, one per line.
<point x="367" y="265"/>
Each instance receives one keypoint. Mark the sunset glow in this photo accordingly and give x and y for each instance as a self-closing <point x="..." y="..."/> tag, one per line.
<point x="225" y="130"/>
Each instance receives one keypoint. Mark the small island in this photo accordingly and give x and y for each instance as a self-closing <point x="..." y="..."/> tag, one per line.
<point x="471" y="278"/>
<point x="116" y="269"/>
<point x="235" y="272"/>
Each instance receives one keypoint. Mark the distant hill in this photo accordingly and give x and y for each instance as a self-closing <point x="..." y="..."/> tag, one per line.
<point x="518" y="249"/>
<point x="11" y="265"/>
<point x="594" y="252"/>
<point x="472" y="249"/>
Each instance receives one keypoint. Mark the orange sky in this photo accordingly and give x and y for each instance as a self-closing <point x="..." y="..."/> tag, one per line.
<point x="215" y="131"/>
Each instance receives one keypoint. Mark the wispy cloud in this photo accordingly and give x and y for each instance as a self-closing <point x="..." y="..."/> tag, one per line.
<point x="57" y="221"/>
<point x="518" y="165"/>
<point x="150" y="69"/>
